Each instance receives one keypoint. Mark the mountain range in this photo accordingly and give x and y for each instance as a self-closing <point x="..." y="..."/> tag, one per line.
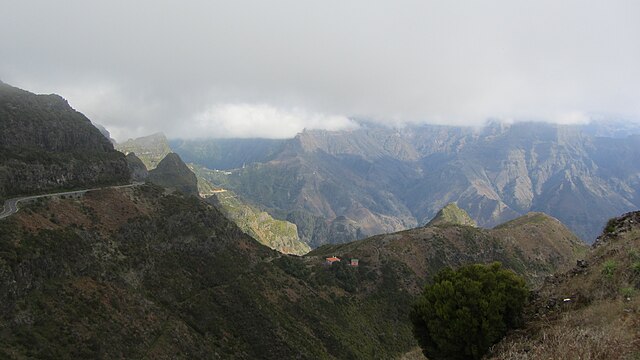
<point x="338" y="186"/>
<point x="152" y="270"/>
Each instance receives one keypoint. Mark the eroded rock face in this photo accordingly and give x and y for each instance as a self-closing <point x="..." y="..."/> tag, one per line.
<point x="46" y="145"/>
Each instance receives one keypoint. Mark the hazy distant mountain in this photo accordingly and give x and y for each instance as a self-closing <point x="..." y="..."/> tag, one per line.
<point x="226" y="153"/>
<point x="375" y="179"/>
<point x="150" y="149"/>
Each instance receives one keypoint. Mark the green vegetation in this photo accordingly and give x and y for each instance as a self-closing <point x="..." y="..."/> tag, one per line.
<point x="465" y="311"/>
<point x="609" y="268"/>
<point x="627" y="292"/>
<point x="599" y="321"/>
<point x="452" y="214"/>
<point x="276" y="234"/>
<point x="611" y="226"/>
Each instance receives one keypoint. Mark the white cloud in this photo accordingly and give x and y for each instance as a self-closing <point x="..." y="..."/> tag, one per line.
<point x="153" y="65"/>
<point x="258" y="120"/>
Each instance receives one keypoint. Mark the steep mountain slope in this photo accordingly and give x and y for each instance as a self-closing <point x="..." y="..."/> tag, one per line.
<point x="46" y="145"/>
<point x="591" y="311"/>
<point x="383" y="180"/>
<point x="277" y="234"/>
<point x="141" y="272"/>
<point x="173" y="173"/>
<point x="150" y="149"/>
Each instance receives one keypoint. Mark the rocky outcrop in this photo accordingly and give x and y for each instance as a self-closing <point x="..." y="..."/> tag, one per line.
<point x="173" y="173"/>
<point x="136" y="167"/>
<point x="46" y="145"/>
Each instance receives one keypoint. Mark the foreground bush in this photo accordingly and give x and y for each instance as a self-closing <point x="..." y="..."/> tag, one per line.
<point x="466" y="311"/>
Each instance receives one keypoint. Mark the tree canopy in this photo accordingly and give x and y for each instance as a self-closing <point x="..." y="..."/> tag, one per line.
<point x="465" y="311"/>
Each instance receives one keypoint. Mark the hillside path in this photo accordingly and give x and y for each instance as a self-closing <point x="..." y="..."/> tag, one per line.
<point x="11" y="205"/>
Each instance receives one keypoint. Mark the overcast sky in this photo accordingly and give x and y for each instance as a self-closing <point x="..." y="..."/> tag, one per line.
<point x="270" y="68"/>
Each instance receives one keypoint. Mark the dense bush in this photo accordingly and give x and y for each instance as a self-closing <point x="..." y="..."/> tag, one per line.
<point x="465" y="311"/>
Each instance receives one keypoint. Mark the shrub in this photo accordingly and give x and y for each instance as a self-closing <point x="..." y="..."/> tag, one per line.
<point x="611" y="226"/>
<point x="609" y="268"/>
<point x="466" y="311"/>
<point x="627" y="292"/>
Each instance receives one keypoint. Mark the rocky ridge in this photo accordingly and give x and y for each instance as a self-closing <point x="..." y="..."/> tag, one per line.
<point x="46" y="145"/>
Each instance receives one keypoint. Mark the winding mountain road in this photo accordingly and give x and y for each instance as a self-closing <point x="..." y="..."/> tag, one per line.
<point x="11" y="205"/>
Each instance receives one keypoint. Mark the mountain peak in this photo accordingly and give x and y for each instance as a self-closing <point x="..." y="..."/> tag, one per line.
<point x="172" y="172"/>
<point x="452" y="214"/>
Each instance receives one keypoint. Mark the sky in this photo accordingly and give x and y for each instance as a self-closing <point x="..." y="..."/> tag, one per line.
<point x="196" y="69"/>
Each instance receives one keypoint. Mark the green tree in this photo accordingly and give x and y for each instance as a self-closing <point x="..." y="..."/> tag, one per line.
<point x="466" y="311"/>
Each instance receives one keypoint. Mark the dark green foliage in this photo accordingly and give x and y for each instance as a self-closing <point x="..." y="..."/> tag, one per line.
<point x="293" y="266"/>
<point x="609" y="268"/>
<point x="465" y="311"/>
<point x="611" y="226"/>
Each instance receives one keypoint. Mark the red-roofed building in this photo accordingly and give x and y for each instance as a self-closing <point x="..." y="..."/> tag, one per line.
<point x="331" y="260"/>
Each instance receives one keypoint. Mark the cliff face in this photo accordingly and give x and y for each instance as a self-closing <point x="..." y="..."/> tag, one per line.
<point x="46" y="145"/>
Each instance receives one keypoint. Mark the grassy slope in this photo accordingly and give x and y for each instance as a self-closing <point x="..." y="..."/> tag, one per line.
<point x="602" y="318"/>
<point x="533" y="246"/>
